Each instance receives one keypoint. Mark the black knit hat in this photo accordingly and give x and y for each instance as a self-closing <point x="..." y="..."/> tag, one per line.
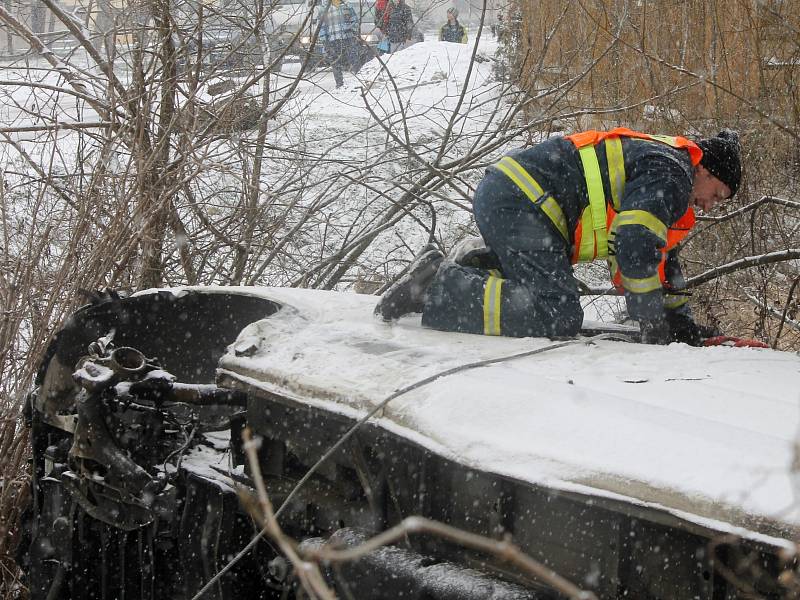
<point x="721" y="158"/>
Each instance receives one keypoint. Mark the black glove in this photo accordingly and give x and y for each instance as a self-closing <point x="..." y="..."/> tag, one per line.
<point x="655" y="332"/>
<point x="708" y="331"/>
<point x="682" y="328"/>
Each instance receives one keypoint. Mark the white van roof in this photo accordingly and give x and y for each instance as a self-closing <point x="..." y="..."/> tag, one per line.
<point x="707" y="434"/>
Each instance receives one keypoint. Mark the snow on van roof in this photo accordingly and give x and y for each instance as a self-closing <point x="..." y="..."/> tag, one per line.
<point x="704" y="433"/>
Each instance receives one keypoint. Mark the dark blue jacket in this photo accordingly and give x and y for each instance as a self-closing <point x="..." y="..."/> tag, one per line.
<point x="453" y="33"/>
<point x="658" y="180"/>
<point x="400" y="25"/>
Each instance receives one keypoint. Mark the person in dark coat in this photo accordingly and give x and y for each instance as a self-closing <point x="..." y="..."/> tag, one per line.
<point x="453" y="31"/>
<point x="383" y="9"/>
<point x="400" y="25"/>
<point x="621" y="195"/>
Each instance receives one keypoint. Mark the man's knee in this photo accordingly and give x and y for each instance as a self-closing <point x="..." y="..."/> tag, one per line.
<point x="532" y="312"/>
<point x="454" y="300"/>
<point x="470" y="300"/>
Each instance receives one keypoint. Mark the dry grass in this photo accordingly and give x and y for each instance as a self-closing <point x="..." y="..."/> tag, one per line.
<point x="689" y="68"/>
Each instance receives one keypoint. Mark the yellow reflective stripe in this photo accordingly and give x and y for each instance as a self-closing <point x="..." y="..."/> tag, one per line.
<point x="586" y="249"/>
<point x="553" y="210"/>
<point x="521" y="177"/>
<point x="495" y="272"/>
<point x="597" y="203"/>
<point x="666" y="139"/>
<point x="612" y="266"/>
<point x="673" y="301"/>
<point x="594" y="185"/>
<point x="641" y="286"/>
<point x="643" y="218"/>
<point x="514" y="171"/>
<point x="491" y="305"/>
<point x="616" y="170"/>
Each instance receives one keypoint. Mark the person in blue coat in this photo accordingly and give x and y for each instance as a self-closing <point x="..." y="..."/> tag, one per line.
<point x="337" y="33"/>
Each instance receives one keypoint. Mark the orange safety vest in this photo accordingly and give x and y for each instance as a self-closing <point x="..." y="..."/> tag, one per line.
<point x="598" y="218"/>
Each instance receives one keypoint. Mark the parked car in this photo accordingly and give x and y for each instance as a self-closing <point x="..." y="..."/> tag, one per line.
<point x="227" y="47"/>
<point x="231" y="41"/>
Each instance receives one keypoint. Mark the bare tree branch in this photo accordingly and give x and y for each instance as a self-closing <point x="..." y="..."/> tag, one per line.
<point x="743" y="263"/>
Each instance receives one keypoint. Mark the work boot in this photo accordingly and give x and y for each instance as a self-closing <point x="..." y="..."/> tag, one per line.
<point x="473" y="252"/>
<point x="407" y="294"/>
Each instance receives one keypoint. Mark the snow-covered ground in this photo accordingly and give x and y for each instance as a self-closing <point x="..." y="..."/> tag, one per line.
<point x="388" y="120"/>
<point x="338" y="160"/>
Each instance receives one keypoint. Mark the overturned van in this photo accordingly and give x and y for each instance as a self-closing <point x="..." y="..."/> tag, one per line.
<point x="628" y="470"/>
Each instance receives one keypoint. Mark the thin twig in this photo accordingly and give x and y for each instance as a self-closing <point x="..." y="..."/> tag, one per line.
<point x="307" y="572"/>
<point x="742" y="263"/>
<point x="753" y="205"/>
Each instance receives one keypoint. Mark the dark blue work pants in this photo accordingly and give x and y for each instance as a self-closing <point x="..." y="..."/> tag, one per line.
<point x="538" y="296"/>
